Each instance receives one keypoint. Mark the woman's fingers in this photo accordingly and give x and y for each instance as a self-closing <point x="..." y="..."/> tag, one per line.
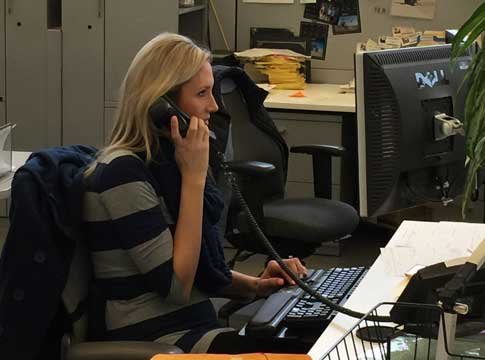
<point x="300" y="269"/>
<point x="193" y="127"/>
<point x="203" y="130"/>
<point x="174" y="129"/>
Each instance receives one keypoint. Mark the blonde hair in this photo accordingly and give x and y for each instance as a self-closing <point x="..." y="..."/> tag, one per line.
<point x="163" y="64"/>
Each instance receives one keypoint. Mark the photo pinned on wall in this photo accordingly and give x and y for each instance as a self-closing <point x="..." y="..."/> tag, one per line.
<point x="349" y="19"/>
<point x="327" y="11"/>
<point x="421" y="9"/>
<point x="318" y="33"/>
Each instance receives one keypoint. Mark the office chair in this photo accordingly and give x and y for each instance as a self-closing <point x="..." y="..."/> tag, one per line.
<point x="259" y="159"/>
<point x="75" y="299"/>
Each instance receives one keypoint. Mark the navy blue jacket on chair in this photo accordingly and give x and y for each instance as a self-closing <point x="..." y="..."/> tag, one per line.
<point x="45" y="219"/>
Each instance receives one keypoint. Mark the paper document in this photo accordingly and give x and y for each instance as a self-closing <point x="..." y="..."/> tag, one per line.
<point x="282" y="68"/>
<point x="399" y="259"/>
<point x="415" y="243"/>
<point x="257" y="53"/>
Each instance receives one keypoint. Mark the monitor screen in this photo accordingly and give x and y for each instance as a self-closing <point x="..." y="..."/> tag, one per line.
<point x="404" y="99"/>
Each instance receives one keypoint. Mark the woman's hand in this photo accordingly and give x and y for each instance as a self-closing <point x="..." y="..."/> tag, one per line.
<point x="274" y="277"/>
<point x="192" y="151"/>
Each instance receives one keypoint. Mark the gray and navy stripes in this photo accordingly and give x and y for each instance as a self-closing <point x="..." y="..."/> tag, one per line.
<point x="129" y="233"/>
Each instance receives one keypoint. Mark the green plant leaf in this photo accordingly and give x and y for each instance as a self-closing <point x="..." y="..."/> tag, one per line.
<point x="475" y="21"/>
<point x="474" y="105"/>
<point x="473" y="167"/>
<point x="472" y="36"/>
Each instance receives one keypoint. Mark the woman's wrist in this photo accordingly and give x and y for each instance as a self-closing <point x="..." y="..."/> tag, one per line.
<point x="253" y="286"/>
<point x="243" y="286"/>
<point x="193" y="181"/>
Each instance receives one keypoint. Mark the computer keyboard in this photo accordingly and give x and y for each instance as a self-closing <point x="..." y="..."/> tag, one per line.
<point x="336" y="284"/>
<point x="292" y="308"/>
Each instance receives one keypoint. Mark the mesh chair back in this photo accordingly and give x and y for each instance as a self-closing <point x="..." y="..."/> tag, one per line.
<point x="251" y="143"/>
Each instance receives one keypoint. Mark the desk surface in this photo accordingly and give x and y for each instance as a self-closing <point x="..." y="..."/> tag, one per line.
<point x="18" y="159"/>
<point x="318" y="97"/>
<point x="429" y="242"/>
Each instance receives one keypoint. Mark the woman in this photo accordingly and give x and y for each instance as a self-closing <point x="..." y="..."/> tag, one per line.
<point x="151" y="210"/>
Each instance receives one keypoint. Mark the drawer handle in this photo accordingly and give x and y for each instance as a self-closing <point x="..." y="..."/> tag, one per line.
<point x="9" y="7"/>
<point x="100" y="8"/>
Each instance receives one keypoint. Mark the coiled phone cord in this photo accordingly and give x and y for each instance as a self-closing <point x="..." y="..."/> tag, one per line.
<point x="272" y="252"/>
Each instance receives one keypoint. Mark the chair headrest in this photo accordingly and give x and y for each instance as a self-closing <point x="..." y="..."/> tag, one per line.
<point x="227" y="86"/>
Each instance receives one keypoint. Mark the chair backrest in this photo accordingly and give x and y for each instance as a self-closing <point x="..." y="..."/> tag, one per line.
<point x="249" y="142"/>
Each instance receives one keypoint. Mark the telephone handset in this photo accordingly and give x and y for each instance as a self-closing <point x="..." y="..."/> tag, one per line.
<point x="162" y="111"/>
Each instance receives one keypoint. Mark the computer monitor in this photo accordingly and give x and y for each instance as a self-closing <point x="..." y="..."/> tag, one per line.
<point x="410" y="152"/>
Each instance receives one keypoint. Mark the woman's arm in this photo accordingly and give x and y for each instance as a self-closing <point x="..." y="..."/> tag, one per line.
<point x="188" y="234"/>
<point x="242" y="287"/>
<point x="273" y="278"/>
<point x="192" y="155"/>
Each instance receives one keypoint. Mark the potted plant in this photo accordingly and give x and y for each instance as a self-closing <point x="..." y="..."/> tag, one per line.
<point x="474" y="121"/>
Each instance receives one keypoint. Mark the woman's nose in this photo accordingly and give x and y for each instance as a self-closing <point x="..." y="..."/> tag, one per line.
<point x="213" y="105"/>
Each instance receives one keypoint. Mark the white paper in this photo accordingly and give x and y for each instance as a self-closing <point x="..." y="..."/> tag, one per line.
<point x="256" y="53"/>
<point x="270" y="1"/>
<point x="399" y="260"/>
<point x="415" y="243"/>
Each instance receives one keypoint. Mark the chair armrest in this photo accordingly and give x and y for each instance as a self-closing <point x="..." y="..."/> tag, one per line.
<point x="231" y="307"/>
<point x="319" y="149"/>
<point x="250" y="168"/>
<point x="119" y="350"/>
<point x="322" y="166"/>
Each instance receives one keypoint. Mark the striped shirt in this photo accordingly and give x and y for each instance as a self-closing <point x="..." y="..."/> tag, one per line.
<point x="130" y="239"/>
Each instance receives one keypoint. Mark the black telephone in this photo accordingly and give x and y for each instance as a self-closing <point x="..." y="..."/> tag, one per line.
<point x="162" y="110"/>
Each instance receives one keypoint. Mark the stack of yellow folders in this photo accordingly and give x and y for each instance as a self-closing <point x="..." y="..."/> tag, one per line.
<point x="283" y="71"/>
<point x="283" y="68"/>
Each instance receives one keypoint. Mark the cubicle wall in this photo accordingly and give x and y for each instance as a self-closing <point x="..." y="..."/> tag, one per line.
<point x="338" y="65"/>
<point x="226" y="13"/>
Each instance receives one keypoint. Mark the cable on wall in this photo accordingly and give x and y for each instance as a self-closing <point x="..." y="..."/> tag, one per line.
<point x="219" y="24"/>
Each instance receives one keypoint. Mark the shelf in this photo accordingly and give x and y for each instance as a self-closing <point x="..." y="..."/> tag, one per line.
<point x="186" y="10"/>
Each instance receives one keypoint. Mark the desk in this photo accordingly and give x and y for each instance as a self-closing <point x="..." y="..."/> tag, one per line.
<point x="379" y="286"/>
<point x="18" y="159"/>
<point x="318" y="97"/>
<point x="323" y="116"/>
